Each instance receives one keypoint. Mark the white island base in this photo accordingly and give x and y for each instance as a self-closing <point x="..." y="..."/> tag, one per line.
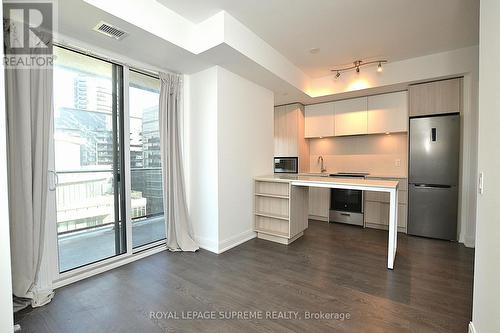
<point x="281" y="205"/>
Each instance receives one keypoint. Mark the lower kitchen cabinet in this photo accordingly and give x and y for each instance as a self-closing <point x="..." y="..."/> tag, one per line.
<point x="376" y="209"/>
<point x="319" y="203"/>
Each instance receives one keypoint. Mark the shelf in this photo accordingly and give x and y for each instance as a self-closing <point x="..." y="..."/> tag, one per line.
<point x="272" y="232"/>
<point x="272" y="188"/>
<point x="272" y="195"/>
<point x="273" y="216"/>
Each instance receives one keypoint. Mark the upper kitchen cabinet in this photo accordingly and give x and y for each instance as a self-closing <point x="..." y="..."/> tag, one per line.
<point x="319" y="120"/>
<point x="351" y="117"/>
<point x="289" y="134"/>
<point x="438" y="97"/>
<point x="388" y="113"/>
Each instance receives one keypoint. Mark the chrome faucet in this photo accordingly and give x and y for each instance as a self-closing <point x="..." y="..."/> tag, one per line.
<point x="320" y="160"/>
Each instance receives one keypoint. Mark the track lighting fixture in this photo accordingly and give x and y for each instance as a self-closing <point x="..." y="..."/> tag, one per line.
<point x="356" y="65"/>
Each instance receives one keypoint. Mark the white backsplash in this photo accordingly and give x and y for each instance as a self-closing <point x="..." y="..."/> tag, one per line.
<point x="376" y="154"/>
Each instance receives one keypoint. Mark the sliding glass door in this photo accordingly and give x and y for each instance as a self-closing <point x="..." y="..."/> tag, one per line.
<point x="106" y="174"/>
<point x="148" y="223"/>
<point x="88" y="146"/>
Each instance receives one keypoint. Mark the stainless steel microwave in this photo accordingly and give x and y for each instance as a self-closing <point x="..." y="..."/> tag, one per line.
<point x="286" y="165"/>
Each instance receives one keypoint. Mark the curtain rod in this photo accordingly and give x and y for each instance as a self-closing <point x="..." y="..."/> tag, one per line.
<point x="154" y="73"/>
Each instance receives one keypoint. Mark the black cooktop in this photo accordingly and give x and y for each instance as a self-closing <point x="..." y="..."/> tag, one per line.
<point x="349" y="174"/>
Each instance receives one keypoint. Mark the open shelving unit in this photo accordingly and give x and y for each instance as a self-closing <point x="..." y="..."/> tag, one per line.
<point x="276" y="219"/>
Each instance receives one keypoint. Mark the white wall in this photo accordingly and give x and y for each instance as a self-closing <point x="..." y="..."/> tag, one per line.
<point x="201" y="150"/>
<point x="245" y="139"/>
<point x="486" y="306"/>
<point x="229" y="135"/>
<point x="6" y="318"/>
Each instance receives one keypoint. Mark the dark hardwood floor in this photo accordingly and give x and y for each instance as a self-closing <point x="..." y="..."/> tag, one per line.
<point x="332" y="268"/>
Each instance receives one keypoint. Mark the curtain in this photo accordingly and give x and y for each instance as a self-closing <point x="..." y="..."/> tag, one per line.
<point x="29" y="116"/>
<point x="178" y="227"/>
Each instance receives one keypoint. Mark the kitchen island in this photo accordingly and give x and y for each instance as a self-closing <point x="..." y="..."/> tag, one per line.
<point x="281" y="205"/>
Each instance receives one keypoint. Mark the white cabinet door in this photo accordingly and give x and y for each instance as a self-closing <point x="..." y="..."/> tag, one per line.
<point x="388" y="113"/>
<point x="319" y="202"/>
<point x="351" y="117"/>
<point x="320" y="120"/>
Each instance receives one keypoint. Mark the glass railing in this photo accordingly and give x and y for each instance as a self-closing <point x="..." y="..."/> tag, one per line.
<point x="86" y="213"/>
<point x="148" y="222"/>
<point x="85" y="198"/>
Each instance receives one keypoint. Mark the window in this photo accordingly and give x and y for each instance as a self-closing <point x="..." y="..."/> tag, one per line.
<point x="148" y="224"/>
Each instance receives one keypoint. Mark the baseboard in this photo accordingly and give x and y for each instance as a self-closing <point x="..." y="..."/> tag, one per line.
<point x="470" y="242"/>
<point x="384" y="227"/>
<point x="318" y="218"/>
<point x="206" y="244"/>
<point x="471" y="328"/>
<point x="236" y="240"/>
<point x="278" y="239"/>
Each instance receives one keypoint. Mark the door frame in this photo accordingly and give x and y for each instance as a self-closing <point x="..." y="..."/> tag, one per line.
<point x="50" y="266"/>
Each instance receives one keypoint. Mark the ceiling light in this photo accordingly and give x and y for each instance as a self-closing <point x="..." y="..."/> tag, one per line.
<point x="356" y="65"/>
<point x="314" y="50"/>
<point x="379" y="67"/>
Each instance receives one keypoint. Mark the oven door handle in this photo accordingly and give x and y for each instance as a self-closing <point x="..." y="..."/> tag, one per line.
<point x="345" y="214"/>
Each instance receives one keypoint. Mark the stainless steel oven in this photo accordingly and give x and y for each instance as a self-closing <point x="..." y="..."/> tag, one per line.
<point x="346" y="206"/>
<point x="286" y="165"/>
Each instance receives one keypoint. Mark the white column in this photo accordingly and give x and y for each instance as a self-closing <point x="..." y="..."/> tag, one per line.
<point x="393" y="228"/>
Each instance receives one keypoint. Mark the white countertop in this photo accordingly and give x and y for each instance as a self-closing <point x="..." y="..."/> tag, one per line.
<point x="326" y="181"/>
<point x="370" y="175"/>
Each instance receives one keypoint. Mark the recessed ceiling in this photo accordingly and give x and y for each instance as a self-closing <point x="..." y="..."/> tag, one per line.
<point x="76" y="20"/>
<point x="346" y="30"/>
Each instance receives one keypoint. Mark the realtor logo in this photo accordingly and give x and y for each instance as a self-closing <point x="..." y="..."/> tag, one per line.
<point x="28" y="28"/>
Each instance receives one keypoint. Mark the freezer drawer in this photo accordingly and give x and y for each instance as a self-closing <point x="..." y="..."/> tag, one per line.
<point x="432" y="212"/>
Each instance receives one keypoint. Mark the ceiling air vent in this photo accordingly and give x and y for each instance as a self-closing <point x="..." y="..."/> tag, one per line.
<point x="110" y="30"/>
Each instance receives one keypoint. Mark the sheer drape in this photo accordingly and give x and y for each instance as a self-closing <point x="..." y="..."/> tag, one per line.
<point x="178" y="227"/>
<point x="29" y="117"/>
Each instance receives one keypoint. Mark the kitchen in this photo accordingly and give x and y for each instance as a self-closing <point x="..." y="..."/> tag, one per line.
<point x="411" y="137"/>
<point x="302" y="157"/>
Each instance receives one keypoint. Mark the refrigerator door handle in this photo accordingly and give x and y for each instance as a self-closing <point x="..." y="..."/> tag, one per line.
<point x="431" y="186"/>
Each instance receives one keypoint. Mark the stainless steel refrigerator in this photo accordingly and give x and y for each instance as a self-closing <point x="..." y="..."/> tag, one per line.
<point x="433" y="176"/>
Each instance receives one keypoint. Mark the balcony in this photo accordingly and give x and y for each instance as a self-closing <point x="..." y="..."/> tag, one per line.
<point x="86" y="214"/>
<point x="81" y="247"/>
